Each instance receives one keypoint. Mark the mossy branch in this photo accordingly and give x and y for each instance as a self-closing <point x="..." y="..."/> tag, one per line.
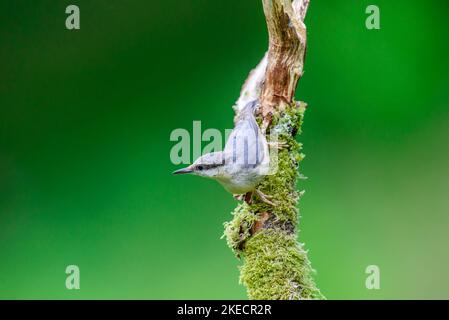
<point x="275" y="264"/>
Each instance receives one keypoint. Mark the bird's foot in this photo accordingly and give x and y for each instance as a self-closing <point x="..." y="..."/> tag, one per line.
<point x="265" y="198"/>
<point x="247" y="197"/>
<point x="280" y="145"/>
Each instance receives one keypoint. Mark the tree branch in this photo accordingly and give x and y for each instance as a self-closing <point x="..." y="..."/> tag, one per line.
<point x="275" y="264"/>
<point x="286" y="53"/>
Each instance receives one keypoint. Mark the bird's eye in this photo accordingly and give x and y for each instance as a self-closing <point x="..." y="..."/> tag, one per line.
<point x="200" y="168"/>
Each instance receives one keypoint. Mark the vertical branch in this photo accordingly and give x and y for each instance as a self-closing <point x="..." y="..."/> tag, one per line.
<point x="286" y="53"/>
<point x="275" y="264"/>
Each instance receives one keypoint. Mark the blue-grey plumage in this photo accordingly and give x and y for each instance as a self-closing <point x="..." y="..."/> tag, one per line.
<point x="243" y="163"/>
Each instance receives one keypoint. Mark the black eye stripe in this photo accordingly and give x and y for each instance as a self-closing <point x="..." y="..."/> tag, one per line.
<point x="208" y="166"/>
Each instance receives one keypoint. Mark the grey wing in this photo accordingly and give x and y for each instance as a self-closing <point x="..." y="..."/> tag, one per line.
<point x="246" y="144"/>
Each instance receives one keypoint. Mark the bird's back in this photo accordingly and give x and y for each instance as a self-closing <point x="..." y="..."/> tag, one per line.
<point x="246" y="153"/>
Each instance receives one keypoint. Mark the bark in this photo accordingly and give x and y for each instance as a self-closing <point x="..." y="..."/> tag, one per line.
<point x="275" y="265"/>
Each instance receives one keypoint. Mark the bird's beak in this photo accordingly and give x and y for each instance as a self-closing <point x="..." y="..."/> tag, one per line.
<point x="183" y="171"/>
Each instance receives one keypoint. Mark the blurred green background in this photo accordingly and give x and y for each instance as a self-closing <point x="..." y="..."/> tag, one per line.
<point x="85" y="170"/>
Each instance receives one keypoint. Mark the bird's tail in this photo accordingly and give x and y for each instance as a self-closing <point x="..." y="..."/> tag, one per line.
<point x="249" y="110"/>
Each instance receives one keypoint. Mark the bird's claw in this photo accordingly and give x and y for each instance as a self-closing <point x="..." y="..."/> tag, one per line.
<point x="265" y="198"/>
<point x="280" y="145"/>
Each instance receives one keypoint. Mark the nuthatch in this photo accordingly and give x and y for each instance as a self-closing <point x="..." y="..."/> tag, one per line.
<point x="243" y="163"/>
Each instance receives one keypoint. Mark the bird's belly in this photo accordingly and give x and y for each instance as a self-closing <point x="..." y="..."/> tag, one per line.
<point x="238" y="189"/>
<point x="242" y="183"/>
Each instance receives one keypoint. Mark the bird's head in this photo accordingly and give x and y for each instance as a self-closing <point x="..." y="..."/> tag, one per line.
<point x="210" y="165"/>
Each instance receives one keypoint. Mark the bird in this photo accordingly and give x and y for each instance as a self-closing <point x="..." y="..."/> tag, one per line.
<point x="244" y="161"/>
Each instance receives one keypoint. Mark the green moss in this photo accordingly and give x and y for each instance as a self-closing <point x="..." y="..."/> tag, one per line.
<point x="281" y="185"/>
<point x="276" y="267"/>
<point x="275" y="264"/>
<point x="238" y="230"/>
